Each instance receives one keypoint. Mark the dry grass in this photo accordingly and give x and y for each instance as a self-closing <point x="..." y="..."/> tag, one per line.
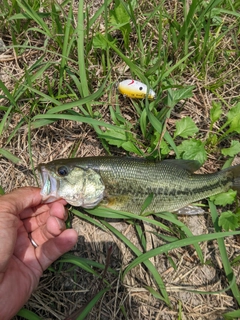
<point x="62" y="292"/>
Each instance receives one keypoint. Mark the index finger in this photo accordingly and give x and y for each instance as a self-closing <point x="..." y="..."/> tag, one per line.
<point x="20" y="199"/>
<point x="45" y="208"/>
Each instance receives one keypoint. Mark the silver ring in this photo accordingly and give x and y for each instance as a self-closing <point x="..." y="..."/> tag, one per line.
<point x="32" y="241"/>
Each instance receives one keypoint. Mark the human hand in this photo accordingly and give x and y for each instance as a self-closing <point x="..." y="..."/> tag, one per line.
<point x="21" y="264"/>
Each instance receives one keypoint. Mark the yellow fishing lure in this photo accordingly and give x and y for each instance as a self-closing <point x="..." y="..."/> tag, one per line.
<point x="135" y="89"/>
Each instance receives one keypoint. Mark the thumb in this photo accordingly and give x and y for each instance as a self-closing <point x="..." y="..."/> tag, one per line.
<point x="51" y="250"/>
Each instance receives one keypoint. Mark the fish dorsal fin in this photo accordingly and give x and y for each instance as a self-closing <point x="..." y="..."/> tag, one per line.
<point x="189" y="165"/>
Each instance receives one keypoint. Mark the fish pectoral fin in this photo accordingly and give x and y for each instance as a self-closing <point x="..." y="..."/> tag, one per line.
<point x="190" y="210"/>
<point x="115" y="202"/>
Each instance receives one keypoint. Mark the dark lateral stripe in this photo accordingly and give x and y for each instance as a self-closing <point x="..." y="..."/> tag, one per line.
<point x="222" y="184"/>
<point x="204" y="187"/>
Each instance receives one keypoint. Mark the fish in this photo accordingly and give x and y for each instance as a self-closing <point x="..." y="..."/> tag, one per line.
<point x="135" y="89"/>
<point x="124" y="183"/>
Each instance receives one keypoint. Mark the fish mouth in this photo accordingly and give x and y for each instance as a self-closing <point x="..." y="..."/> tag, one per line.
<point x="49" y="186"/>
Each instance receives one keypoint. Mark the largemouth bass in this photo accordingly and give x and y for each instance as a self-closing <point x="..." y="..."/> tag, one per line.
<point x="125" y="183"/>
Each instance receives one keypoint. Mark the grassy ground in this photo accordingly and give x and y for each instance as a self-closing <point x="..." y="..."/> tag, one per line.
<point x="60" y="63"/>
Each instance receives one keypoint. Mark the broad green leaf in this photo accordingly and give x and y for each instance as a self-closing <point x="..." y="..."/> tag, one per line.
<point x="122" y="139"/>
<point x="213" y="139"/>
<point x="233" y="150"/>
<point x="185" y="128"/>
<point x="234" y="118"/>
<point x="228" y="221"/>
<point x="224" y="198"/>
<point x="119" y="15"/>
<point x="215" y="112"/>
<point x="155" y="139"/>
<point x="130" y="146"/>
<point x="99" y="41"/>
<point x="114" y="137"/>
<point x="164" y="148"/>
<point x="157" y="125"/>
<point x="174" y="96"/>
<point x="120" y="19"/>
<point x="193" y="150"/>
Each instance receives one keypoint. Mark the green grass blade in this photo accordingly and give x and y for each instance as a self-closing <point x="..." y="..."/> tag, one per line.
<point x="171" y="218"/>
<point x="27" y="314"/>
<point x="233" y="13"/>
<point x="34" y="16"/>
<point x="46" y="97"/>
<point x="91" y="304"/>
<point x="4" y="120"/>
<point x="2" y="191"/>
<point x="9" y="156"/>
<point x="78" y="262"/>
<point x="66" y="48"/>
<point x="141" y="236"/>
<point x="233" y="315"/>
<point x="79" y="102"/>
<point x="8" y="94"/>
<point x="157" y="125"/>
<point x="178" y="244"/>
<point x="99" y="12"/>
<point x="93" y="264"/>
<point x="38" y="68"/>
<point x="171" y="69"/>
<point x="133" y="67"/>
<point x="147" y="263"/>
<point x="72" y="117"/>
<point x="81" y="54"/>
<point x="114" y="214"/>
<point x="223" y="252"/>
<point x="231" y="284"/>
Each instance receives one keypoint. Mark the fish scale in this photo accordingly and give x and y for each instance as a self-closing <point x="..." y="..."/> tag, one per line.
<point x="158" y="179"/>
<point x="127" y="182"/>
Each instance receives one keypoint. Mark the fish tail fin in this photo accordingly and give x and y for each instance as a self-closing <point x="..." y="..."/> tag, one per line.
<point x="236" y="177"/>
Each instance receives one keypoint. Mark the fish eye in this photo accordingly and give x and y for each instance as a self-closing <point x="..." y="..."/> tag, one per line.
<point x="62" y="171"/>
<point x="140" y="88"/>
